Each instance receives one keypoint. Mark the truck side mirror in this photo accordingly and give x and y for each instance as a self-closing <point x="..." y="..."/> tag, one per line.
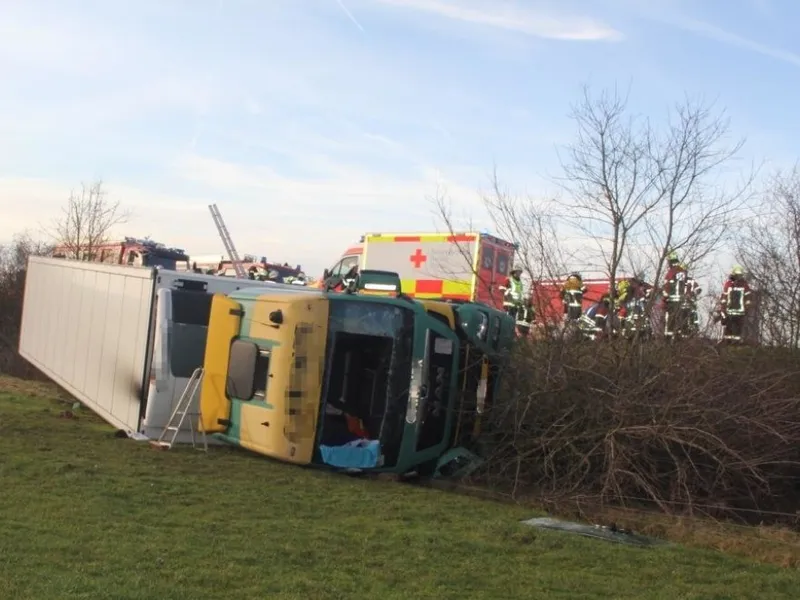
<point x="326" y="273"/>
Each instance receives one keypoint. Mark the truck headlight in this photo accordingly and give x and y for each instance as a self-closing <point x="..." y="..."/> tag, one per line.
<point x="415" y="392"/>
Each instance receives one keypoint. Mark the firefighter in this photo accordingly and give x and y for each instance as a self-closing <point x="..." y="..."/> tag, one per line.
<point x="734" y="303"/>
<point x="626" y="293"/>
<point x="572" y="296"/>
<point x="634" y="310"/>
<point x="692" y="298"/>
<point x="596" y="318"/>
<point x="514" y="300"/>
<point x="625" y="290"/>
<point x="674" y="295"/>
<point x="674" y="268"/>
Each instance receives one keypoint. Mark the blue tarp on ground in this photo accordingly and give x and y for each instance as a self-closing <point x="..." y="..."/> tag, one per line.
<point x="358" y="454"/>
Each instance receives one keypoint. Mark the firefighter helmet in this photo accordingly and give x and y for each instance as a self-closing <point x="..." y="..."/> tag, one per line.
<point x="737" y="271"/>
<point x="672" y="257"/>
<point x="516" y="270"/>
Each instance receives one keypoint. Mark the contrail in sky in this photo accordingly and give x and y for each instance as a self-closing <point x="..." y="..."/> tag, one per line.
<point x="350" y="15"/>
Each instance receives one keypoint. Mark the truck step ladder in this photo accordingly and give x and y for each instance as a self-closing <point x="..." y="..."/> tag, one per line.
<point x="181" y="412"/>
<point x="227" y="241"/>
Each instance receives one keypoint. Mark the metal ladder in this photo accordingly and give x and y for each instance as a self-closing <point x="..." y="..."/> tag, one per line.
<point x="181" y="412"/>
<point x="227" y="241"/>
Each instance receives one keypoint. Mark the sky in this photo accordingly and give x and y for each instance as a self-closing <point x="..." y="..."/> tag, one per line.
<point x="310" y="122"/>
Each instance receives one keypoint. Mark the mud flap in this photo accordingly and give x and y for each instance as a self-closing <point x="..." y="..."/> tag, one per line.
<point x="223" y="327"/>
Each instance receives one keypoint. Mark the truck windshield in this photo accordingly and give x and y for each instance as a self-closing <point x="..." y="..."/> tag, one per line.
<point x="367" y="373"/>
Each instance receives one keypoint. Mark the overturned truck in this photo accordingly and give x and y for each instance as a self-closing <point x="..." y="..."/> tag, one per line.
<point x="353" y="380"/>
<point x="358" y="380"/>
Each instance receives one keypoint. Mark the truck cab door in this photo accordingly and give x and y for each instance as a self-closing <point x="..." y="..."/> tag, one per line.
<point x="223" y="327"/>
<point x="438" y="397"/>
<point x="341" y="268"/>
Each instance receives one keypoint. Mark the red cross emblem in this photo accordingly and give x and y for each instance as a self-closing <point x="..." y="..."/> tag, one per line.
<point x="418" y="258"/>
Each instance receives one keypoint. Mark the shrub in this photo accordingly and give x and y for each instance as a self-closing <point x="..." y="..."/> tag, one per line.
<point x="687" y="426"/>
<point x="13" y="260"/>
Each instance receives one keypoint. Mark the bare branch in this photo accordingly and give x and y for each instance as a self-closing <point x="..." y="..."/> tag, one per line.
<point x="696" y="209"/>
<point x="86" y="222"/>
<point x="609" y="175"/>
<point x="769" y="246"/>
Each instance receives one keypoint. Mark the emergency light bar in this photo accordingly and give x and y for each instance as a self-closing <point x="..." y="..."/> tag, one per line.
<point x="372" y="280"/>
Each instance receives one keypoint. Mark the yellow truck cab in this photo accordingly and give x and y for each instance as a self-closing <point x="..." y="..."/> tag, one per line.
<point x="351" y="380"/>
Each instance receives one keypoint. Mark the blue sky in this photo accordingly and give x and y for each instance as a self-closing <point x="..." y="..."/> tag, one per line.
<point x="310" y="122"/>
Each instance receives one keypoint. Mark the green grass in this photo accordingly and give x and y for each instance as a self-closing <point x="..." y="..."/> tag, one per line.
<point x="86" y="515"/>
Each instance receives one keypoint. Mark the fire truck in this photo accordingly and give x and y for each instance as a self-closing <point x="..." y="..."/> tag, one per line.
<point x="264" y="270"/>
<point x="130" y="251"/>
<point x="546" y="297"/>
<point x="464" y="266"/>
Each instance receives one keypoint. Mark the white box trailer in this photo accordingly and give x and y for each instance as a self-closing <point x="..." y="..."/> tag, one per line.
<point x="123" y="340"/>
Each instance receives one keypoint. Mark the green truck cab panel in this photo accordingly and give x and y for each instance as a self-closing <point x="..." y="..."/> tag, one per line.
<point x="434" y="397"/>
<point x="321" y="376"/>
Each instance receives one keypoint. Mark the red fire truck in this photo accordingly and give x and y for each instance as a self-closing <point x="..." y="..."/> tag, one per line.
<point x="546" y="296"/>
<point x="130" y="251"/>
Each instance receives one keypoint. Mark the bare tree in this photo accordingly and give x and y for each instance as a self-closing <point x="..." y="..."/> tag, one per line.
<point x="770" y="250"/>
<point x="609" y="176"/>
<point x="532" y="225"/>
<point x="692" y="210"/>
<point x="640" y="191"/>
<point x="524" y="221"/>
<point x="443" y="209"/>
<point x="86" y="221"/>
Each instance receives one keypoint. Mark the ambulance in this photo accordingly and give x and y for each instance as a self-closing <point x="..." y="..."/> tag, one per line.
<point x="466" y="266"/>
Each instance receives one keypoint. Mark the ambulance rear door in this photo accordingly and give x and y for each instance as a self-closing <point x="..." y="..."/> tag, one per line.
<point x="495" y="260"/>
<point x="430" y="266"/>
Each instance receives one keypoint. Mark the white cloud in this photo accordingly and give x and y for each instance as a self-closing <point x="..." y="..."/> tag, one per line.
<point x="60" y="43"/>
<point x="303" y="221"/>
<point x="726" y="37"/>
<point x="344" y="194"/>
<point x="181" y="222"/>
<point x="536" y="23"/>
<point x="678" y="15"/>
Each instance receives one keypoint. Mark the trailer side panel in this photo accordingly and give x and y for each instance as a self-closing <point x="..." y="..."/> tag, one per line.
<point x="86" y="326"/>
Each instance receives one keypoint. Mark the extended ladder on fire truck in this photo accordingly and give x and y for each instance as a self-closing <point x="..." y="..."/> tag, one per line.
<point x="227" y="242"/>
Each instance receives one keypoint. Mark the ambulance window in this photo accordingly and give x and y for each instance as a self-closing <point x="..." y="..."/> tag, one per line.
<point x="502" y="264"/>
<point x="487" y="258"/>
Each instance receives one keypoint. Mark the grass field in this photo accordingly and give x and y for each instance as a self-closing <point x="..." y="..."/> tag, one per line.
<point x="87" y="515"/>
